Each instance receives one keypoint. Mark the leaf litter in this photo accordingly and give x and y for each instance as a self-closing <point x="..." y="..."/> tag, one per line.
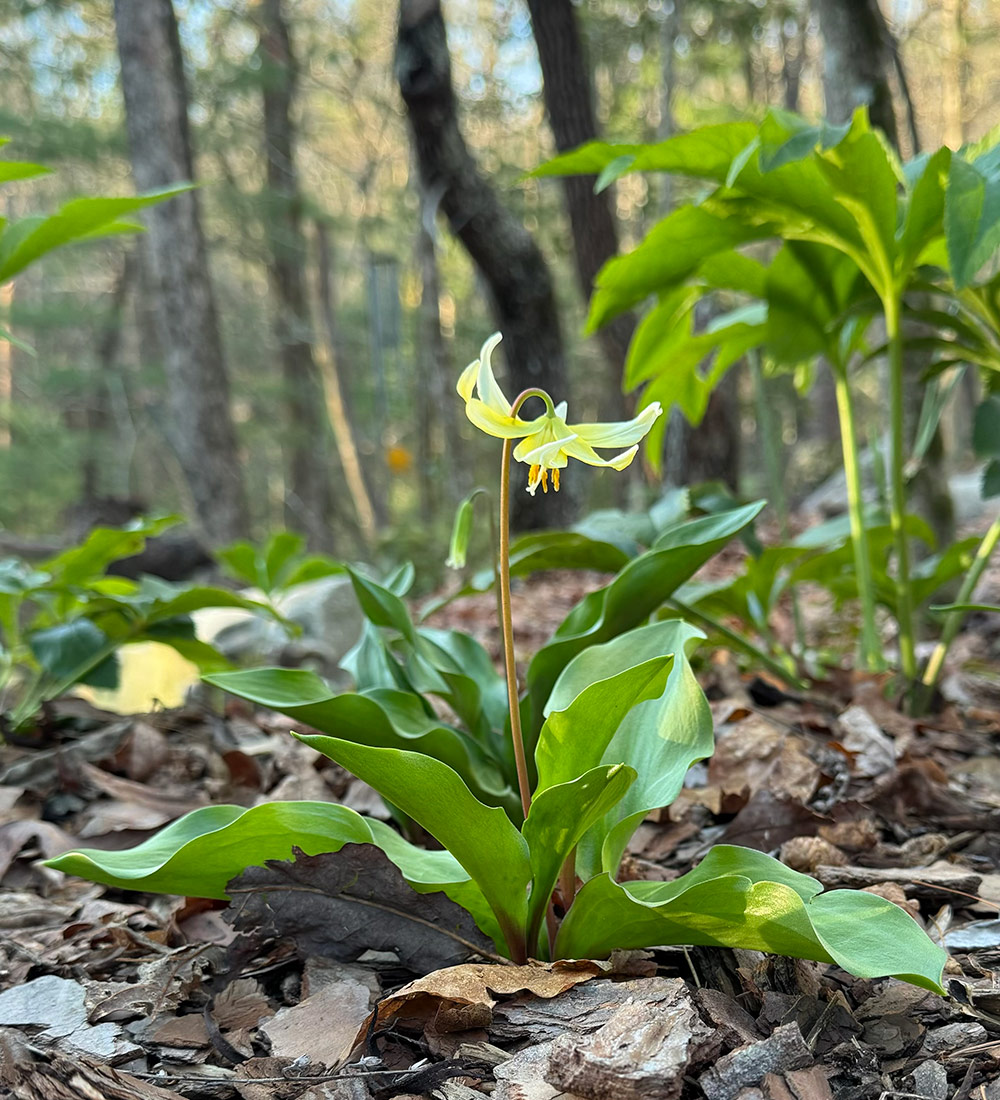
<point x="291" y="993"/>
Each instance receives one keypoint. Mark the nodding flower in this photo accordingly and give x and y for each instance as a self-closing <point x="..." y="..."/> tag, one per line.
<point x="547" y="442"/>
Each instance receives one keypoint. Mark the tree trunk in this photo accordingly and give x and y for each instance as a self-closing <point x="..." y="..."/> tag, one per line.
<point x="200" y="426"/>
<point x="309" y="500"/>
<point x="337" y="403"/>
<point x="99" y="415"/>
<point x="857" y="61"/>
<point x="510" y="262"/>
<point x="570" y="106"/>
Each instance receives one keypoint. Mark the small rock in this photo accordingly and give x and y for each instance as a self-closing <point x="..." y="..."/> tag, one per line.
<point x="784" y="1049"/>
<point x="953" y="1037"/>
<point x="930" y="1079"/>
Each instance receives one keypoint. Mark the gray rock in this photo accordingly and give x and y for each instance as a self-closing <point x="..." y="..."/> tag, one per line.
<point x="325" y="610"/>
<point x="930" y="1079"/>
<point x="57" y="1006"/>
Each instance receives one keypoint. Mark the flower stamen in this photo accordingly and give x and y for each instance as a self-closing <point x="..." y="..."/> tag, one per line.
<point x="555" y="479"/>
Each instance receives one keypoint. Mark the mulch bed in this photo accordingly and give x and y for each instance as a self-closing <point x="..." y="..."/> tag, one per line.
<point x="134" y="997"/>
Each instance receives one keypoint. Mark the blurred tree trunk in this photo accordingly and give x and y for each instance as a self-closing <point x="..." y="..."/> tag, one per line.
<point x="710" y="451"/>
<point x="510" y="262"/>
<point x="569" y="103"/>
<point x="859" y="56"/>
<point x="99" y="414"/>
<point x="440" y="444"/>
<point x="338" y="404"/>
<point x="200" y="425"/>
<point x="857" y="61"/>
<point x="309" y="498"/>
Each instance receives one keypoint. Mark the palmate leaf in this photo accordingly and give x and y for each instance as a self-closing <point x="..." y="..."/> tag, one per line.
<point x="740" y="898"/>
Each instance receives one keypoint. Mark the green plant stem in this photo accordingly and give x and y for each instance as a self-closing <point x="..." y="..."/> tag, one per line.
<point x="954" y="619"/>
<point x="897" y="497"/>
<point x="772" y="463"/>
<point x="739" y="642"/>
<point x="871" y="651"/>
<point x="506" y="620"/>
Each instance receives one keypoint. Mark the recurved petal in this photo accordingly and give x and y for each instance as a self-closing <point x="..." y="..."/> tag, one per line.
<point x="580" y="450"/>
<point x="619" y="433"/>
<point x="489" y="391"/>
<point x="467" y="381"/>
<point x="502" y="425"/>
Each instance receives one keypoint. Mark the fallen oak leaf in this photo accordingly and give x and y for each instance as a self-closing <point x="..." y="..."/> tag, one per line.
<point x="340" y="904"/>
<point x="460" y="997"/>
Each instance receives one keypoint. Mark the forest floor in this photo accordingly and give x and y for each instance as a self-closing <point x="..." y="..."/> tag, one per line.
<point x="105" y="994"/>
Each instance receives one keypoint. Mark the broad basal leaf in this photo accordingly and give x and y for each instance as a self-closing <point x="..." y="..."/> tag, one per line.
<point x="200" y="852"/>
<point x="381" y="717"/>
<point x="632" y="596"/>
<point x="480" y="837"/>
<point x="660" y="737"/>
<point x="738" y="898"/>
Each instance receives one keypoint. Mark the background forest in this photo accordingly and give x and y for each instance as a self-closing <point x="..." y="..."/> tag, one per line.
<point x="325" y="334"/>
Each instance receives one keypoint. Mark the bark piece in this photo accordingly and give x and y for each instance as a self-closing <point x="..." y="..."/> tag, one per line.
<point x="930" y="1079"/>
<point x="523" y="1077"/>
<point x="952" y="1037"/>
<point x="322" y="1027"/>
<point x="784" y="1050"/>
<point x="732" y="1020"/>
<point x="798" y="1084"/>
<point x="29" y="1076"/>
<point x="939" y="883"/>
<point x="57" y="1006"/>
<point x="642" y="1051"/>
<point x="340" y="904"/>
<point x="580" y="1010"/>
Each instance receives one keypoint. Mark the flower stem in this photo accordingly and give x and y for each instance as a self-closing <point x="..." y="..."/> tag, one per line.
<point x="871" y="653"/>
<point x="954" y="619"/>
<point x="506" y="620"/>
<point x="897" y="496"/>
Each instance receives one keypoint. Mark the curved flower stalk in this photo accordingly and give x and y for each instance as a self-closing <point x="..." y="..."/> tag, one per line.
<point x="547" y="442"/>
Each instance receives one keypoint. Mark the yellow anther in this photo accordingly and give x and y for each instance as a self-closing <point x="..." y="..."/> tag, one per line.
<point x="545" y="481"/>
<point x="555" y="479"/>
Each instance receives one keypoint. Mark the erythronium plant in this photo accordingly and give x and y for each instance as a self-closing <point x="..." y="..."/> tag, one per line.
<point x="611" y="720"/>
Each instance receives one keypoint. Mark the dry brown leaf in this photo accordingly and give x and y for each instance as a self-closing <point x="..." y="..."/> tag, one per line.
<point x="459" y="997"/>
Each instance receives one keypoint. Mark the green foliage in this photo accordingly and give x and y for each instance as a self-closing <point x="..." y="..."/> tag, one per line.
<point x="62" y="621"/>
<point x="279" y="564"/>
<point x="867" y="244"/>
<point x="26" y="240"/>
<point x="621" y="718"/>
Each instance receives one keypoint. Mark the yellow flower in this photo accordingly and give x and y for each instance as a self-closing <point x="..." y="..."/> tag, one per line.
<point x="547" y="442"/>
